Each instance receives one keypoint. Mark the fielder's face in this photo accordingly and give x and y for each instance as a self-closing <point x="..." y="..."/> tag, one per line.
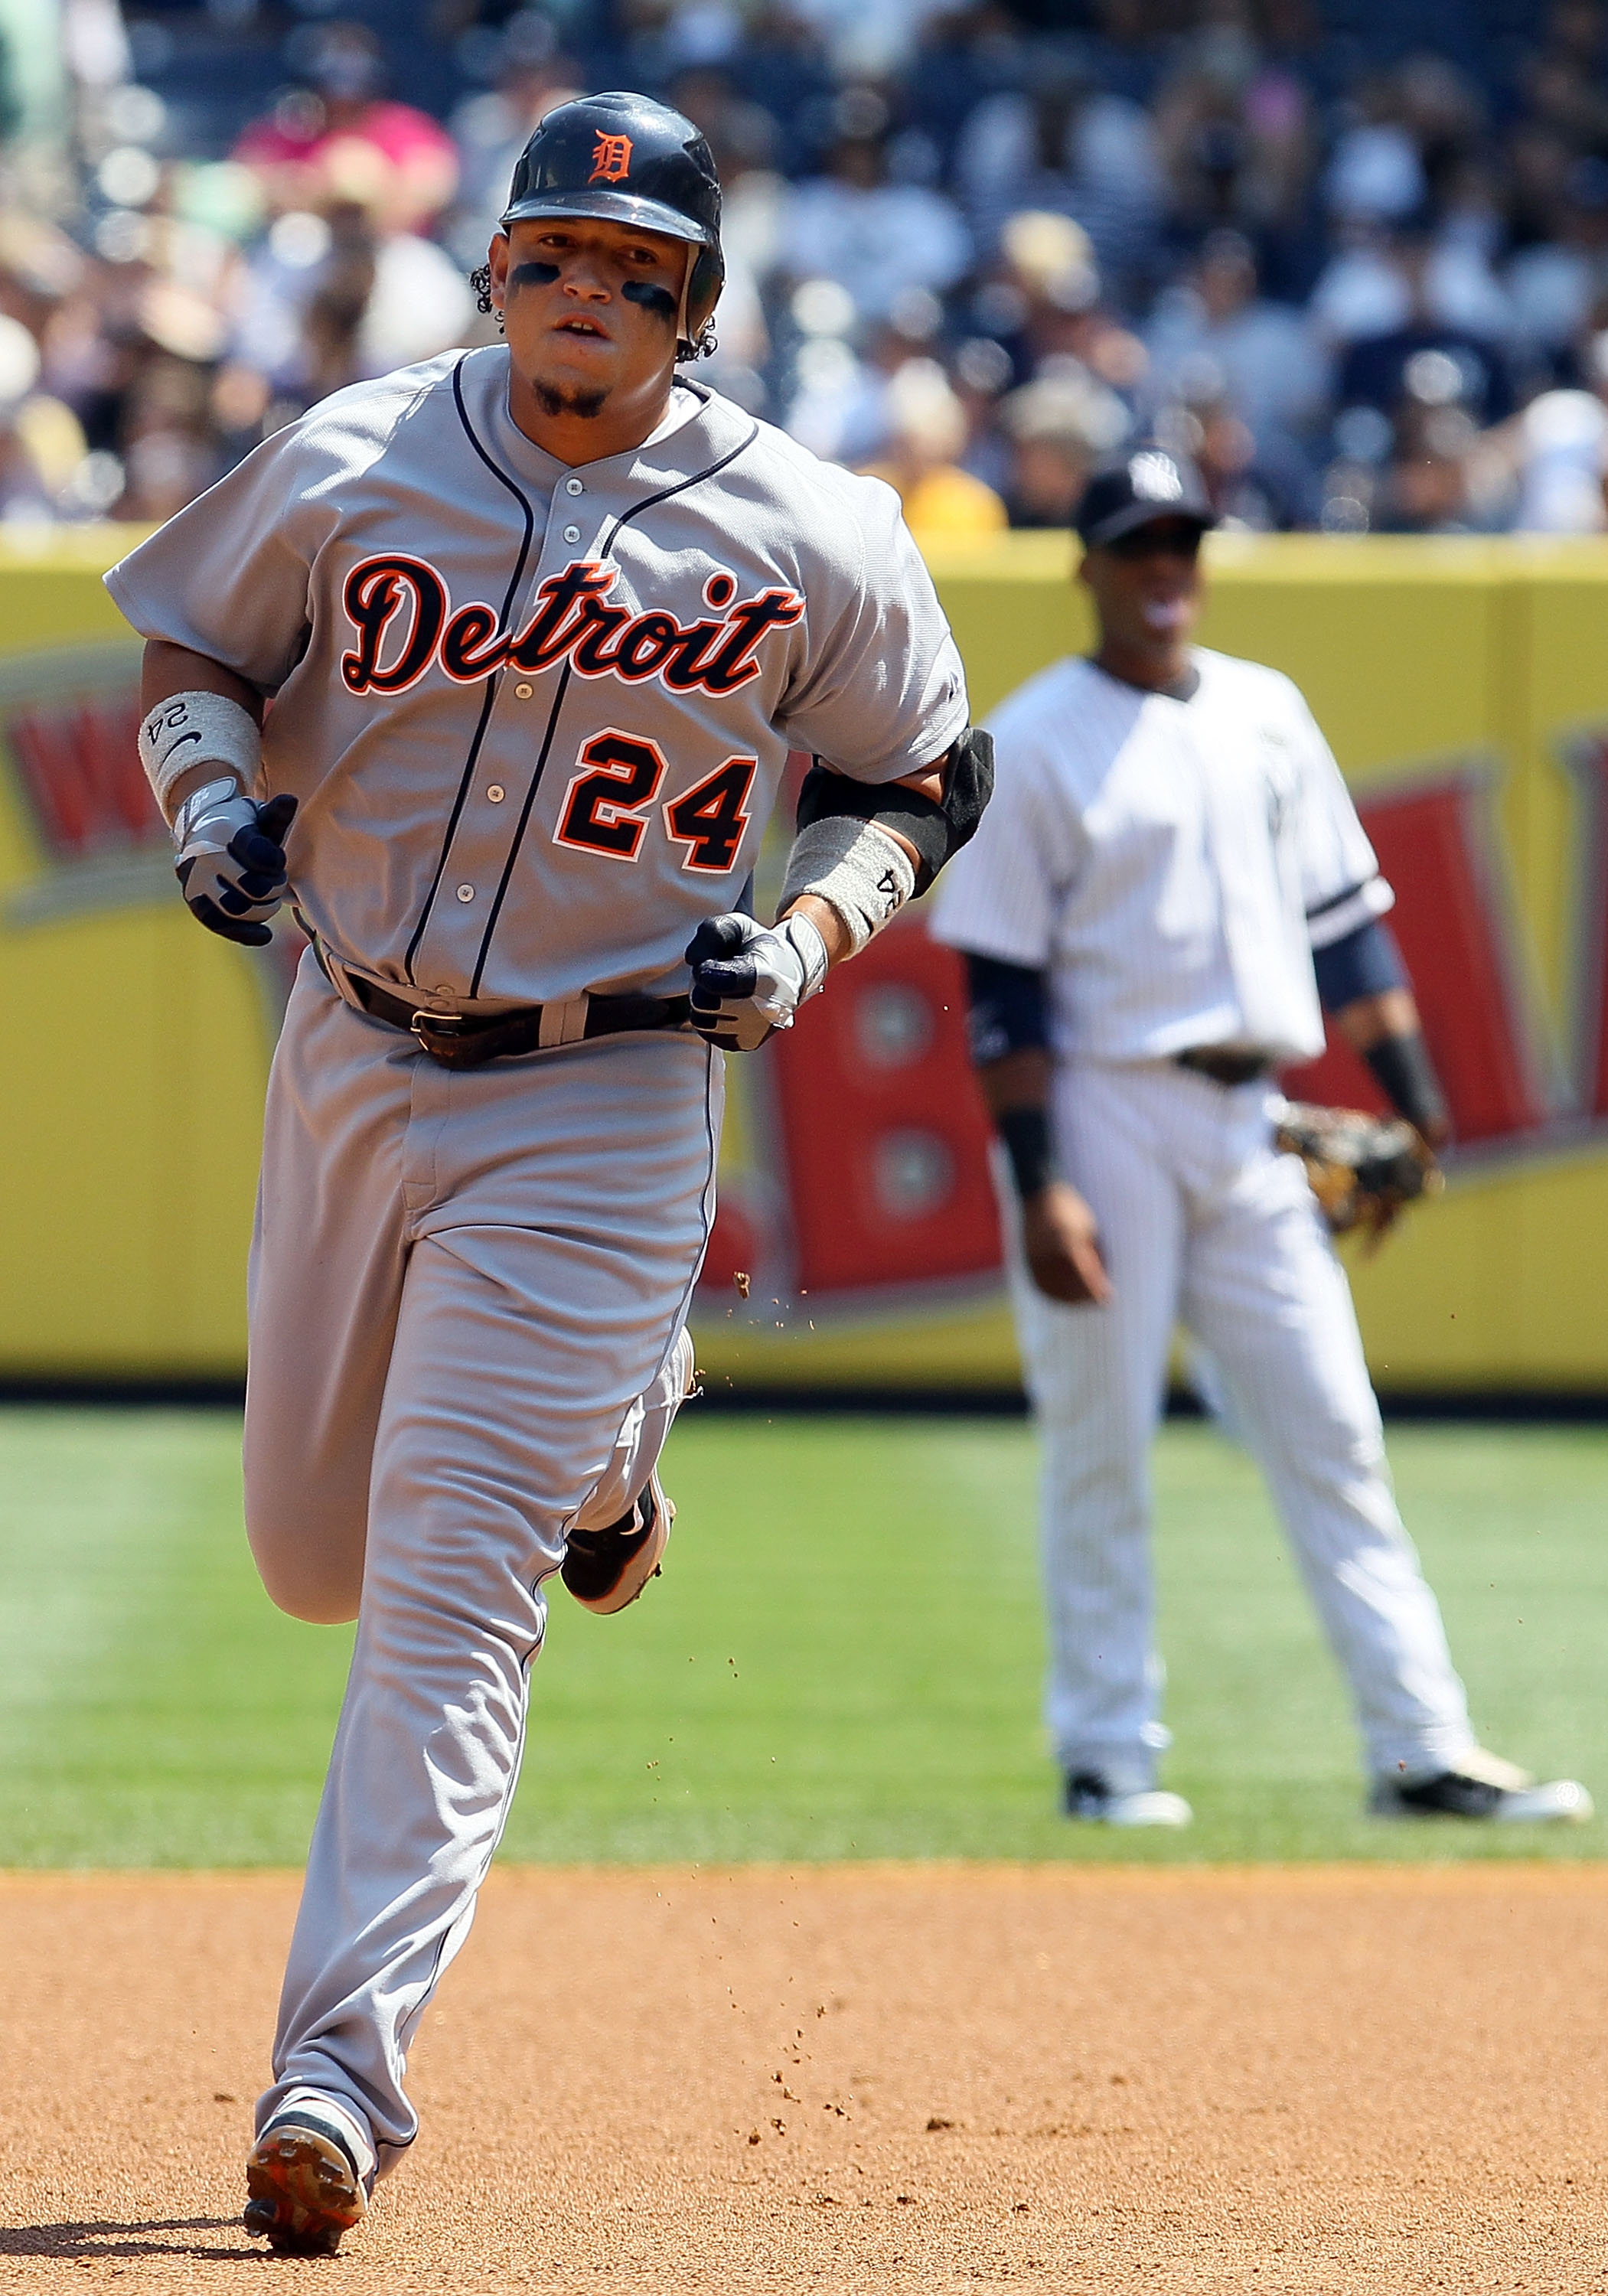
<point x="1146" y="585"/>
<point x="589" y="308"/>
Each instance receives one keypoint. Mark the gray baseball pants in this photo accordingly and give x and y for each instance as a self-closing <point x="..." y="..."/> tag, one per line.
<point x="468" y="1293"/>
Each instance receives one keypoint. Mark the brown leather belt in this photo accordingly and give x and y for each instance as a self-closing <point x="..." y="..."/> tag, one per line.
<point x="1224" y="1066"/>
<point x="464" y="1040"/>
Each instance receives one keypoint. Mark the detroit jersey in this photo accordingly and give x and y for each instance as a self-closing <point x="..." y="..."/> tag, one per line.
<point x="536" y="718"/>
<point x="1169" y="864"/>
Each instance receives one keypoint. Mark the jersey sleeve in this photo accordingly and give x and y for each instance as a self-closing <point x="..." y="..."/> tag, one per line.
<point x="1000" y="896"/>
<point x="228" y="576"/>
<point x="881" y="691"/>
<point x="1340" y="885"/>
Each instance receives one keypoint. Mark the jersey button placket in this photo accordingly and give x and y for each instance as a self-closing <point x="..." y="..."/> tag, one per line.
<point x="506" y="751"/>
<point x="480" y="843"/>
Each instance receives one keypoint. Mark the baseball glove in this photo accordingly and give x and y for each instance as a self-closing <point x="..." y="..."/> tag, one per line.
<point x="1363" y="1168"/>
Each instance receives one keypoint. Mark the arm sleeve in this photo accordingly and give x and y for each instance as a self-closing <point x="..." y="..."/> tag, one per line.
<point x="881" y="690"/>
<point x="1363" y="963"/>
<point x="1342" y="888"/>
<point x="228" y="576"/>
<point x="1001" y="896"/>
<point x="1008" y="1009"/>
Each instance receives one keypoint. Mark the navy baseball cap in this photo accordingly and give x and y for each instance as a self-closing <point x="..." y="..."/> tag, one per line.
<point x="1129" y="490"/>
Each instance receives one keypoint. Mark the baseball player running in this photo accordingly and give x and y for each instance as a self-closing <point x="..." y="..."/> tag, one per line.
<point x="1170" y="879"/>
<point x="497" y="661"/>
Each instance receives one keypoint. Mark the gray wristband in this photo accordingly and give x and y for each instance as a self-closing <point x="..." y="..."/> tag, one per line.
<point x="858" y="869"/>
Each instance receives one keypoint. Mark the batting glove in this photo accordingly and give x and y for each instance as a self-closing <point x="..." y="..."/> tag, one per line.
<point x="231" y="860"/>
<point x="749" y="979"/>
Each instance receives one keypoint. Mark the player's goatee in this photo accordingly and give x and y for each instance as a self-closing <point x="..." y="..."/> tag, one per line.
<point x="553" y="402"/>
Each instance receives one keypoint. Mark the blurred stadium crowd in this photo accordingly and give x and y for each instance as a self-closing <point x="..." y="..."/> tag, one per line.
<point x="1353" y="255"/>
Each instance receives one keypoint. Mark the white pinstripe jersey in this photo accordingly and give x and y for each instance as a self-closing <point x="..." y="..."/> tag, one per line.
<point x="1169" y="864"/>
<point x="536" y="717"/>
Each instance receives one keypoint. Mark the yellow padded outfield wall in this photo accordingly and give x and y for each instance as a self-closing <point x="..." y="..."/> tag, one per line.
<point x="1464" y="684"/>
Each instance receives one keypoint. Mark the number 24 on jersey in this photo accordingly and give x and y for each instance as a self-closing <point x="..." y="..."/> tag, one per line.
<point x="607" y="804"/>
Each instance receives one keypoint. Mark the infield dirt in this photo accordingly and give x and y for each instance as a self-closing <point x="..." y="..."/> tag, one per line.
<point x="853" y="2079"/>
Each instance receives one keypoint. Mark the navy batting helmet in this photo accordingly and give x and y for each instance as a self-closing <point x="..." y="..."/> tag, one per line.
<point x="625" y="158"/>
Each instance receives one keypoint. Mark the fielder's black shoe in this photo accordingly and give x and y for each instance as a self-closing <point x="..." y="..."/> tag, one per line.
<point x="1482" y="1786"/>
<point x="605" y="1570"/>
<point x="304" y="2186"/>
<point x="1090" y="1796"/>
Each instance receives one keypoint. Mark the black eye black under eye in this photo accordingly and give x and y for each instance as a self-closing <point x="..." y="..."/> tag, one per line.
<point x="651" y="297"/>
<point x="533" y="274"/>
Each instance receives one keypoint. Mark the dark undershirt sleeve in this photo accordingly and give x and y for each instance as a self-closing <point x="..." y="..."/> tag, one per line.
<point x="1009" y="1008"/>
<point x="1364" y="962"/>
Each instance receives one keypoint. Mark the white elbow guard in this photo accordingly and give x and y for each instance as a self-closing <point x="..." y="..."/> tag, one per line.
<point x="858" y="868"/>
<point x="197" y="729"/>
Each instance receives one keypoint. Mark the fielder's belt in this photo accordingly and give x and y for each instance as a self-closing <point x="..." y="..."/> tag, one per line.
<point x="1225" y="1064"/>
<point x="465" y="1040"/>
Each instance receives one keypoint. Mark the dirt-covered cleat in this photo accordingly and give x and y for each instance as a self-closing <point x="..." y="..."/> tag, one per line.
<point x="1092" y="1798"/>
<point x="1481" y="1785"/>
<point x="303" y="2185"/>
<point x="605" y="1570"/>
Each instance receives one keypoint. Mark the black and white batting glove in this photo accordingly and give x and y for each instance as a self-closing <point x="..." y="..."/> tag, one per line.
<point x="231" y="860"/>
<point x="750" y="979"/>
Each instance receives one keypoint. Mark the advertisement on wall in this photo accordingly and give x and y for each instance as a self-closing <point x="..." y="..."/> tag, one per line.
<point x="858" y="1243"/>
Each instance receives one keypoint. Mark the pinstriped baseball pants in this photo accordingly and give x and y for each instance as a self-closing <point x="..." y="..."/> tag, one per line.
<point x="467" y="1301"/>
<point x="1202" y="1223"/>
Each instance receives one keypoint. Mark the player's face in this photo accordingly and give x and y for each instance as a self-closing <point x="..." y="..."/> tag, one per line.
<point x="1146" y="585"/>
<point x="589" y="308"/>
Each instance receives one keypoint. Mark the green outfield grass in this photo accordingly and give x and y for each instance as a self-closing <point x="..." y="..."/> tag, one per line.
<point x="842" y="1659"/>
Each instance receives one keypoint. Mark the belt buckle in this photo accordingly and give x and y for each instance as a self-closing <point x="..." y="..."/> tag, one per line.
<point x="438" y="1024"/>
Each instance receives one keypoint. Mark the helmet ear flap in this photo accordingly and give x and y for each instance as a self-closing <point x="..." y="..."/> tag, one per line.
<point x="706" y="276"/>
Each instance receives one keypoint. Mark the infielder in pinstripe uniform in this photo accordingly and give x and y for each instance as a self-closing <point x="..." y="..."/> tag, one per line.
<point x="538" y="625"/>
<point x="1170" y="879"/>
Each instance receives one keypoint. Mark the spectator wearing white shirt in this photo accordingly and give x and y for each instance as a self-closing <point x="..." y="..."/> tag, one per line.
<point x="1067" y="147"/>
<point x="874" y="237"/>
<point x="1273" y="370"/>
<point x="1382" y="285"/>
<point x="1556" y="286"/>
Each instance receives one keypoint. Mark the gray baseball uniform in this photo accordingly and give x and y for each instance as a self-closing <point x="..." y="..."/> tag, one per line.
<point x="535" y="719"/>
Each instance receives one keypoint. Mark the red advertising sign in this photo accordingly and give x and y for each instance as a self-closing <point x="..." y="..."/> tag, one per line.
<point x="885" y="1137"/>
<point x="879" y="1181"/>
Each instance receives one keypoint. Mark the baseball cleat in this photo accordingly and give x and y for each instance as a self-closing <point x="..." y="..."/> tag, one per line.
<point x="606" y="1569"/>
<point x="1484" y="1786"/>
<point x="303" y="2185"/>
<point x="1090" y="1797"/>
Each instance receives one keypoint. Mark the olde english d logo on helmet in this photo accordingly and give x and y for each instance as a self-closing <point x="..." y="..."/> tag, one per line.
<point x="401" y="611"/>
<point x="610" y="160"/>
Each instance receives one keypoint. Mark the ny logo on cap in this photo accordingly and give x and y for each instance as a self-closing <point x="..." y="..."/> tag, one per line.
<point x="612" y="159"/>
<point x="1155" y="478"/>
